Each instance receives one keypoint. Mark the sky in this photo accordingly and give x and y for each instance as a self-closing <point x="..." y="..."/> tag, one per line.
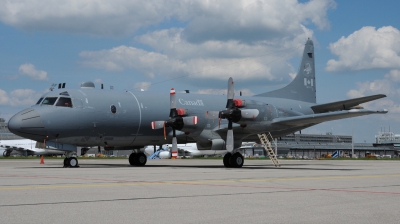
<point x="197" y="45"/>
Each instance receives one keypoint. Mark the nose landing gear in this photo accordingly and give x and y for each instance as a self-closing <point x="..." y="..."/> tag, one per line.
<point x="71" y="162"/>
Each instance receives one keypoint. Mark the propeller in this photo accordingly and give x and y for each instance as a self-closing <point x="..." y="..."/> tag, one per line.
<point x="176" y="121"/>
<point x="233" y="114"/>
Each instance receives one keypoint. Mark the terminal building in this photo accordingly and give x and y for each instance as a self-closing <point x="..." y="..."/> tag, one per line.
<point x="318" y="146"/>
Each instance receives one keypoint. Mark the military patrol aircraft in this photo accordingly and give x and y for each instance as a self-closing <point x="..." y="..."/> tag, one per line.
<point x="66" y="118"/>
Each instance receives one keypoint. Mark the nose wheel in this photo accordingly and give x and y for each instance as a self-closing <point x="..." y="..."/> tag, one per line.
<point x="71" y="162"/>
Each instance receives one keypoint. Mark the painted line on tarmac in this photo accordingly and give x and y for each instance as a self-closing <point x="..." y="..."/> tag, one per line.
<point x="216" y="183"/>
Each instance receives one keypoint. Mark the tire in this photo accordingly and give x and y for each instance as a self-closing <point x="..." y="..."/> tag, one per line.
<point x="236" y="160"/>
<point x="141" y="159"/>
<point x="73" y="162"/>
<point x="66" y="162"/>
<point x="132" y="159"/>
<point x="226" y="160"/>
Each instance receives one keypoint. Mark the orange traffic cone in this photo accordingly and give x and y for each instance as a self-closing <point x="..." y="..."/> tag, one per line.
<point x="41" y="159"/>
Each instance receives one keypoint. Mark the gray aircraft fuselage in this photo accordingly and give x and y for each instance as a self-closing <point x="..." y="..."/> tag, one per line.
<point x="90" y="121"/>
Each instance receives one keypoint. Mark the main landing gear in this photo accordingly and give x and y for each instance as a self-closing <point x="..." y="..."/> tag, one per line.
<point x="6" y="153"/>
<point x="234" y="160"/>
<point x="138" y="159"/>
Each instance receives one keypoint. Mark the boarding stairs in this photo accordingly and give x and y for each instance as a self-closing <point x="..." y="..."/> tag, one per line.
<point x="156" y="154"/>
<point x="266" y="140"/>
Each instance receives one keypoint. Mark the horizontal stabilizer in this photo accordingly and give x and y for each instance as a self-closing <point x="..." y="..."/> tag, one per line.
<point x="313" y="119"/>
<point x="344" y="104"/>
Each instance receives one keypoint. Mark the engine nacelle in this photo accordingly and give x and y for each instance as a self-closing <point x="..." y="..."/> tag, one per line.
<point x="165" y="155"/>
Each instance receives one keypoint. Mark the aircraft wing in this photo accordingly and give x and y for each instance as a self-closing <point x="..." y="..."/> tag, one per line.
<point x="322" y="117"/>
<point x="344" y="104"/>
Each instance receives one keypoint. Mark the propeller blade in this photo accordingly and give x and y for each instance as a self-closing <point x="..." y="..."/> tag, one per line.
<point x="219" y="121"/>
<point x="172" y="97"/>
<point x="229" y="140"/>
<point x="231" y="90"/>
<point x="229" y="137"/>
<point x="174" y="148"/>
<point x="190" y="120"/>
<point x="157" y="124"/>
<point x="250" y="113"/>
<point x="165" y="131"/>
<point x="174" y="144"/>
<point x="231" y="94"/>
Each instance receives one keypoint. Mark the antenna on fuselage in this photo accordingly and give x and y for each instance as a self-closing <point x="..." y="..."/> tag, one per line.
<point x="52" y="86"/>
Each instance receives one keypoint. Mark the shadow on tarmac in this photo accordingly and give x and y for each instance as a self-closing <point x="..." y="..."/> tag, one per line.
<point x="248" y="167"/>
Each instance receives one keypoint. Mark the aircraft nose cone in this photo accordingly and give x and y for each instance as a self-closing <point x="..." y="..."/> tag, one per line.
<point x="28" y="124"/>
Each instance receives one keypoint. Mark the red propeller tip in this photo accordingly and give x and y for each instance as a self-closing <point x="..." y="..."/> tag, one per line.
<point x="172" y="91"/>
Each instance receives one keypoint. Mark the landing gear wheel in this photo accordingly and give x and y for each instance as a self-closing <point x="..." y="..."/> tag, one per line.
<point x="73" y="162"/>
<point x="6" y="154"/>
<point x="226" y="160"/>
<point x="141" y="159"/>
<point x="66" y="162"/>
<point x="132" y="159"/>
<point x="236" y="160"/>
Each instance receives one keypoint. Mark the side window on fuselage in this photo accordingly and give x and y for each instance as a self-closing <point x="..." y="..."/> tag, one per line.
<point x="64" y="102"/>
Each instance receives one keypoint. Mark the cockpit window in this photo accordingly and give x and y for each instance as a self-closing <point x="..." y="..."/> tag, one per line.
<point x="64" y="102"/>
<point x="49" y="101"/>
<point x="40" y="100"/>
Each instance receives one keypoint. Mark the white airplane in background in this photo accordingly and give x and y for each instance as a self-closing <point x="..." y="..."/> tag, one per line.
<point x="189" y="149"/>
<point x="26" y="147"/>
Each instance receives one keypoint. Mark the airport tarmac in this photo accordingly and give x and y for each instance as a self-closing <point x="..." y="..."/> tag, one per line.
<point x="200" y="191"/>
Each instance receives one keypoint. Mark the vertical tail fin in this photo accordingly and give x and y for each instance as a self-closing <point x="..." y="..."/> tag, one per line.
<point x="303" y="86"/>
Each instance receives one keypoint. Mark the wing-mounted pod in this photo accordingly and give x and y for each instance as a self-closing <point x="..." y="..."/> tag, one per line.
<point x="178" y="120"/>
<point x="233" y="114"/>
